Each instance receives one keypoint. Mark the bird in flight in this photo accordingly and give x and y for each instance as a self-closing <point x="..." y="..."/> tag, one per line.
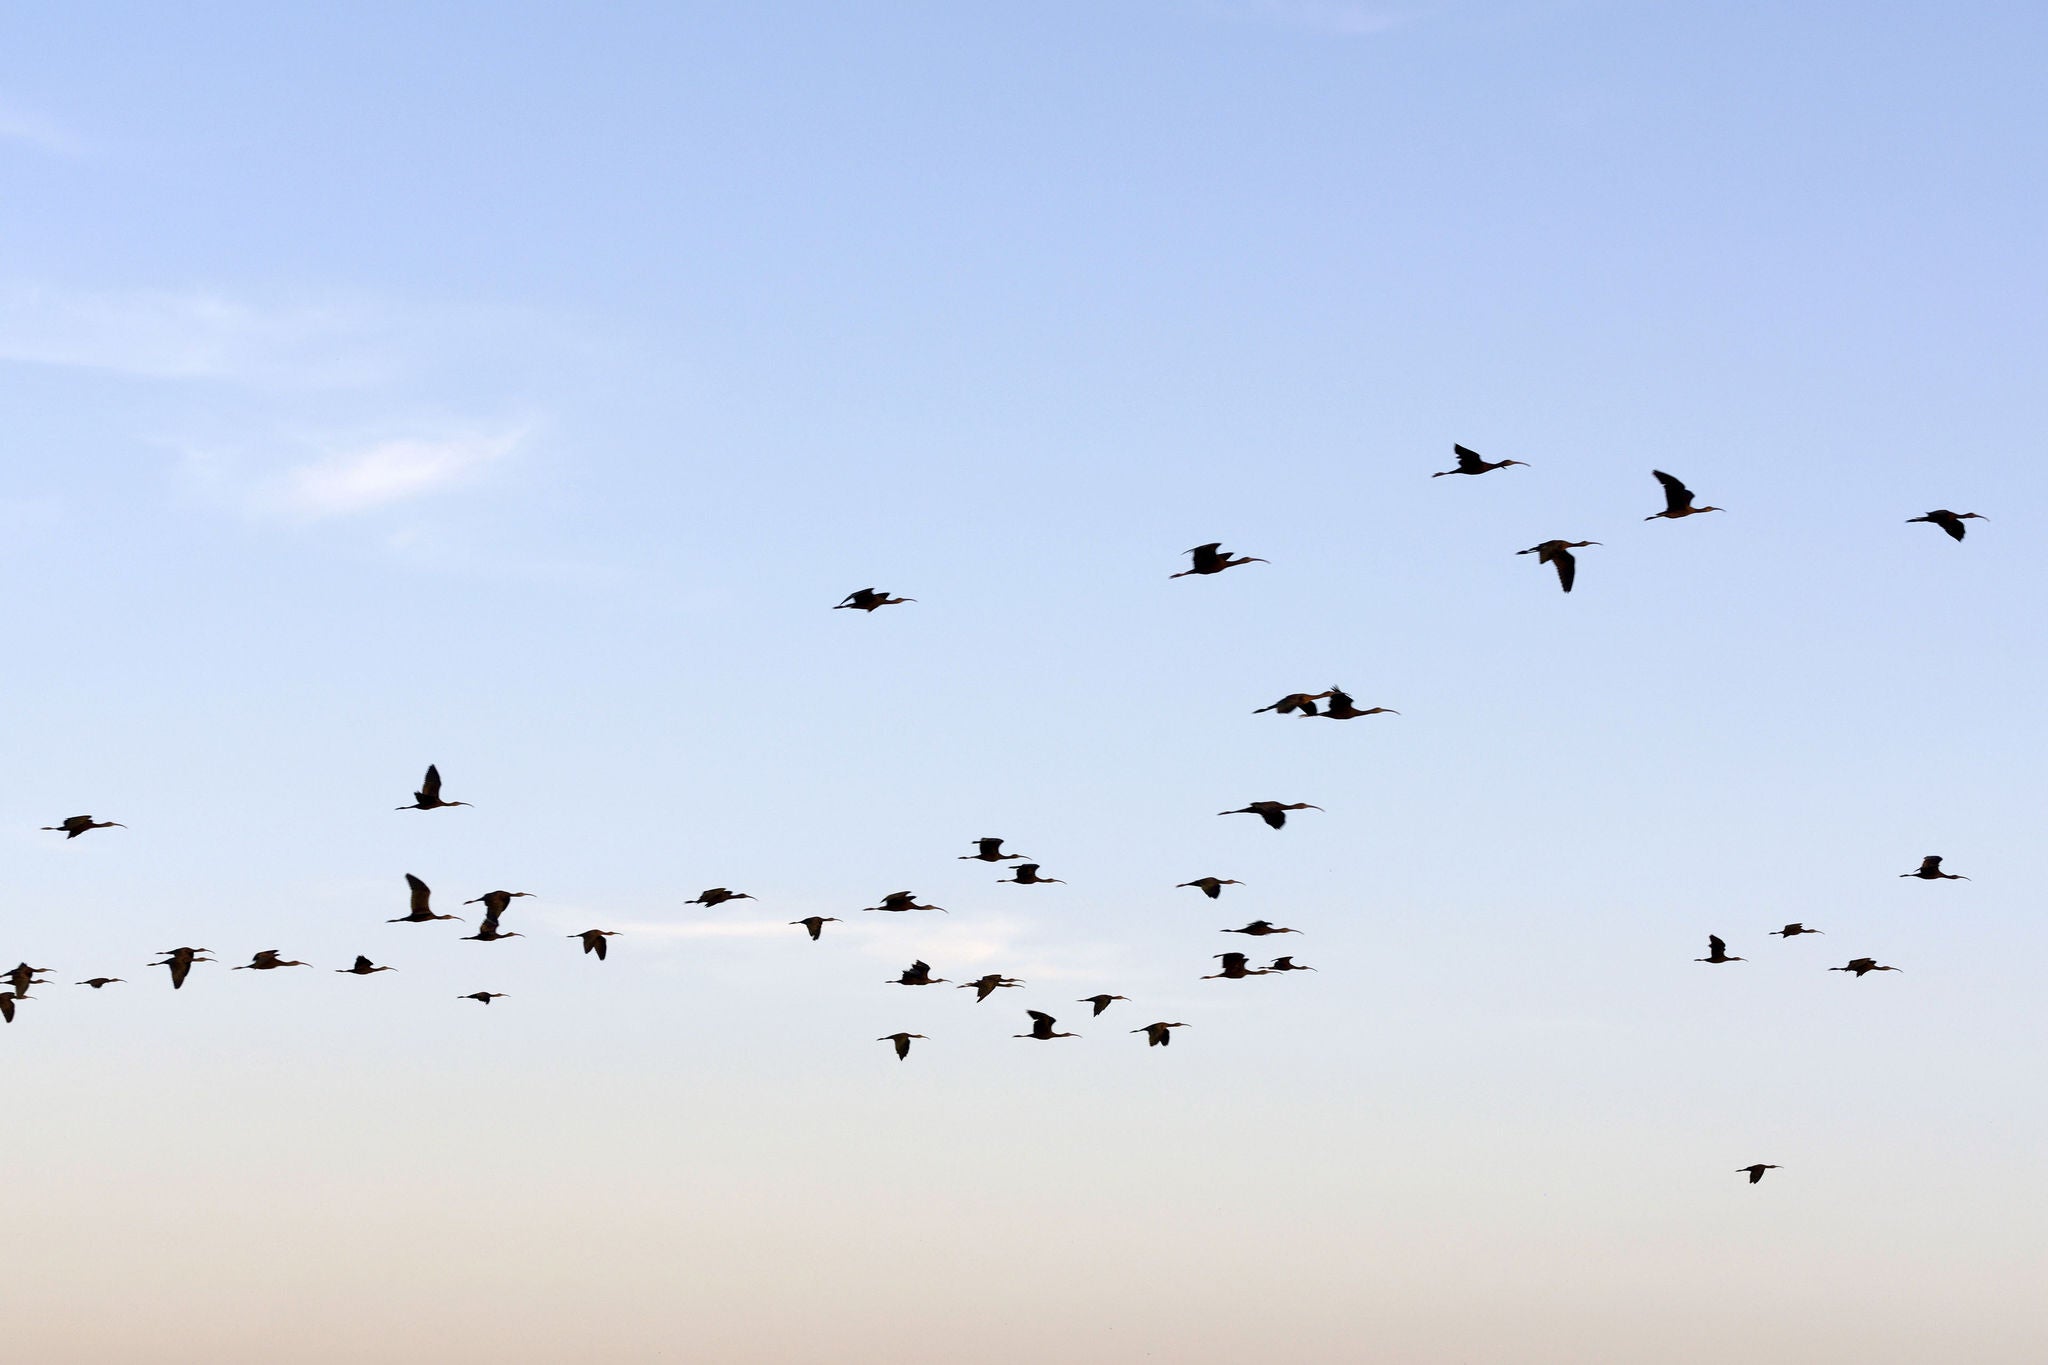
<point x="420" y="912"/>
<point x="482" y="997"/>
<point x="267" y="960"/>
<point x="1272" y="812"/>
<point x="1259" y="928"/>
<point x="867" y="599"/>
<point x="428" y="797"/>
<point x="1951" y="522"/>
<point x="1930" y="871"/>
<point x="1756" y="1172"/>
<point x="1303" y="702"/>
<point x="1342" y="707"/>
<point x="988" y="985"/>
<point x="98" y="981"/>
<point x="718" y="895"/>
<point x="75" y="825"/>
<point x="917" y="974"/>
<point x="1213" y="558"/>
<point x="1042" y="1027"/>
<point x="1794" y="930"/>
<point x="989" y="851"/>
<point x="1027" y="875"/>
<point x="1677" y="500"/>
<point x="1559" y="552"/>
<point x="902" y="1041"/>
<point x="1471" y="462"/>
<point x="594" y="941"/>
<point x="364" y="967"/>
<point x="815" y="924"/>
<point x="489" y="932"/>
<point x="898" y="901"/>
<point x="1234" y="968"/>
<point x="1717" y="951"/>
<point x="21" y="976"/>
<point x="1158" y="1035"/>
<point x="495" y="903"/>
<point x="1212" y="887"/>
<point x="1101" y="1002"/>
<point x="180" y="961"/>
<point x="1860" y="965"/>
<point x="1288" y="964"/>
<point x="7" y="999"/>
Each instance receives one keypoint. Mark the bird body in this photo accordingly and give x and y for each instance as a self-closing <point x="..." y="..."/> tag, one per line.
<point x="495" y="903"/>
<point x="1288" y="964"/>
<point x="1301" y="702"/>
<point x="902" y="1042"/>
<point x="363" y="967"/>
<point x="428" y="797"/>
<point x="1794" y="930"/>
<point x="1471" y="462"/>
<point x="482" y="997"/>
<point x="1343" y="707"/>
<point x="1259" y="928"/>
<point x="1026" y="874"/>
<point x="1951" y="522"/>
<point x="75" y="825"/>
<point x="1861" y="965"/>
<point x="594" y="941"/>
<point x="815" y="924"/>
<point x="718" y="895"/>
<point x="1101" y="1002"/>
<point x="918" y="974"/>
<point x="418" y="896"/>
<point x="1158" y="1035"/>
<point x="1559" y="552"/>
<point x="1677" y="500"/>
<point x="268" y="960"/>
<point x="989" y="851"/>
<point x="897" y="902"/>
<point x="1274" y="813"/>
<point x="1213" y="558"/>
<point x="1212" y="887"/>
<point x="867" y="599"/>
<point x="1756" y="1172"/>
<point x="1930" y="871"/>
<point x="180" y="961"/>
<point x="489" y="932"/>
<point x="988" y="985"/>
<point x="1042" y="1027"/>
<point x="1717" y="951"/>
<point x="98" y="981"/>
<point x="1234" y="968"/>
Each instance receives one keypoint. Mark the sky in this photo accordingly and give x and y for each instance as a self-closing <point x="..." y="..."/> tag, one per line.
<point x="516" y="387"/>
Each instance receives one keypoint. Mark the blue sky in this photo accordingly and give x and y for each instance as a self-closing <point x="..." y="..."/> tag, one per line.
<point x="516" y="388"/>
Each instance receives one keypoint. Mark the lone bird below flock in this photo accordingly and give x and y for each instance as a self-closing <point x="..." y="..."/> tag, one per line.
<point x="1101" y="1002"/>
<point x="1213" y="558"/>
<point x="1794" y="930"/>
<point x="268" y="960"/>
<point x="428" y="797"/>
<point x="482" y="997"/>
<point x="718" y="895"/>
<point x="898" y="901"/>
<point x="1471" y="462"/>
<point x="867" y="599"/>
<point x="594" y="941"/>
<point x="1158" y="1035"/>
<point x="988" y="985"/>
<point x="1677" y="500"/>
<point x="1234" y="968"/>
<point x="420" y="911"/>
<point x="1274" y="813"/>
<point x="902" y="1041"/>
<point x="1027" y="875"/>
<point x="1559" y="552"/>
<point x="1212" y="887"/>
<point x="1259" y="928"/>
<point x="989" y="851"/>
<point x="75" y="825"/>
<point x="1951" y="522"/>
<point x="918" y="974"/>
<point x="815" y="924"/>
<point x="1860" y="965"/>
<point x="1756" y="1172"/>
<point x="1717" y="951"/>
<point x="1042" y="1027"/>
<point x="1930" y="871"/>
<point x="364" y="967"/>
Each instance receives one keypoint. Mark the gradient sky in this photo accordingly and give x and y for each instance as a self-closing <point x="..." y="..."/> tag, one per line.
<point x="515" y="387"/>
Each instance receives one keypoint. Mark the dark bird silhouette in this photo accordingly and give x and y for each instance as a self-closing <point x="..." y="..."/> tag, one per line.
<point x="1272" y="812"/>
<point x="419" y="913"/>
<point x="428" y="797"/>
<point x="489" y="932"/>
<point x="1559" y="552"/>
<point x="917" y="974"/>
<point x="1470" y="462"/>
<point x="7" y="999"/>
<point x="1288" y="964"/>
<point x="495" y="903"/>
<point x="898" y="901"/>
<point x="989" y="851"/>
<point x="902" y="1041"/>
<point x="482" y="997"/>
<point x="1930" y="871"/>
<point x="1717" y="951"/>
<point x="1860" y="965"/>
<point x="1041" y="1027"/>
<point x="1756" y="1172"/>
<point x="1212" y="887"/>
<point x="98" y="981"/>
<point x="1234" y="968"/>
<point x="1026" y="874"/>
<point x="1342" y="707"/>
<point x="1677" y="500"/>
<point x="1302" y="702"/>
<point x="867" y="599"/>
<point x="1101" y="1002"/>
<point x="20" y="977"/>
<point x="1158" y="1035"/>
<point x="988" y="985"/>
<point x="180" y="961"/>
<point x="815" y="924"/>
<point x="1951" y="522"/>
<point x="1213" y="558"/>
<point x="718" y="895"/>
<point x="1259" y="928"/>
<point x="75" y="825"/>
<point x="268" y="960"/>
<point x="594" y="941"/>
<point x="363" y="967"/>
<point x="1794" y="930"/>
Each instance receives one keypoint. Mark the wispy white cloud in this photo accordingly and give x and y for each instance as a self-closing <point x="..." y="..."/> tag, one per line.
<point x="382" y="473"/>
<point x="38" y="133"/>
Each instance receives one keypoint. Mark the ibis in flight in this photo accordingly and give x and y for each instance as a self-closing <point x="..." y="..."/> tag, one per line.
<point x="428" y="797"/>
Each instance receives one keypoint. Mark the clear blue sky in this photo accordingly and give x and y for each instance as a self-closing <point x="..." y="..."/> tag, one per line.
<point x="516" y="387"/>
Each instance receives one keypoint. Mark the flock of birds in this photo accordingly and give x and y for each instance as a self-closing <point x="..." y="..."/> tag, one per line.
<point x="1331" y="704"/>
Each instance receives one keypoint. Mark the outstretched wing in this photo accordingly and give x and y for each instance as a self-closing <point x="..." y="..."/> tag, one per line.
<point x="430" y="786"/>
<point x="1469" y="461"/>
<point x="1715" y="947"/>
<point x="1040" y="1016"/>
<point x="1567" y="568"/>
<point x="420" y="893"/>
<point x="1677" y="497"/>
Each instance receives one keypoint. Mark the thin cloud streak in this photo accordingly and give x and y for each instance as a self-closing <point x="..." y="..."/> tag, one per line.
<point x="391" y="471"/>
<point x="38" y="133"/>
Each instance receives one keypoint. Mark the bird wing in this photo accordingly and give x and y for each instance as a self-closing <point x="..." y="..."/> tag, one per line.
<point x="1567" y="568"/>
<point x="1715" y="946"/>
<point x="1931" y="863"/>
<point x="1274" y="816"/>
<point x="1232" y="960"/>
<point x="1469" y="461"/>
<point x="430" y="786"/>
<point x="1677" y="497"/>
<point x="420" y="893"/>
<point x="1040" y="1016"/>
